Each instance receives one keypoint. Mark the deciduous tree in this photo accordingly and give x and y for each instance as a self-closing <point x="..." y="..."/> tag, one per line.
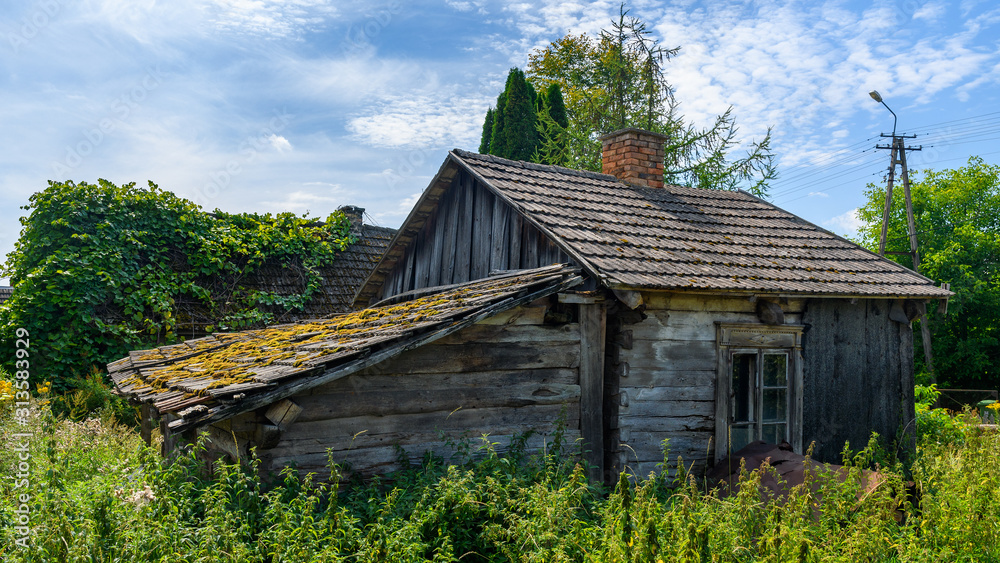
<point x="957" y="214"/>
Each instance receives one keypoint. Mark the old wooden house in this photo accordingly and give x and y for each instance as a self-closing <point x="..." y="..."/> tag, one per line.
<point x="520" y="297"/>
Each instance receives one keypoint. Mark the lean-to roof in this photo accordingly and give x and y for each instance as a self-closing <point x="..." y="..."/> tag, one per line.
<point x="222" y="375"/>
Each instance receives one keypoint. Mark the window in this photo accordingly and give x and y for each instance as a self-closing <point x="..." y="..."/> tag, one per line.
<point x="758" y="390"/>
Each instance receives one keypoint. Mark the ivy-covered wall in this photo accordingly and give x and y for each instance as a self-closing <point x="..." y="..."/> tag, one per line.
<point x="99" y="270"/>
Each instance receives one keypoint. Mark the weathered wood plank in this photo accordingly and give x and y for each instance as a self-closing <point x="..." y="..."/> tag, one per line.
<point x="518" y="316"/>
<point x="408" y="400"/>
<point x="481" y="356"/>
<point x="665" y="394"/>
<point x="450" y="211"/>
<point x="436" y="248"/>
<point x="422" y="244"/>
<point x="514" y="241"/>
<point x="661" y="408"/>
<point x="146" y="423"/>
<point x="694" y="356"/>
<point x="663" y="300"/>
<point x="366" y="381"/>
<point x="668" y="377"/>
<point x="685" y="326"/>
<point x="463" y="240"/>
<point x="408" y="266"/>
<point x="283" y="413"/>
<point x="500" y="238"/>
<point x="513" y="332"/>
<point x="338" y="432"/>
<point x="694" y="423"/>
<point x="529" y="246"/>
<point x="374" y="460"/>
<point x="482" y="232"/>
<point x="593" y="328"/>
<point x="649" y="445"/>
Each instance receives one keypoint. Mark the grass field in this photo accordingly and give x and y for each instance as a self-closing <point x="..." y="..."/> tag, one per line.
<point x="96" y="493"/>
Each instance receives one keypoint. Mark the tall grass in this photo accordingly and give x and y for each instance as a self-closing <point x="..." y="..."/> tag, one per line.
<point x="100" y="495"/>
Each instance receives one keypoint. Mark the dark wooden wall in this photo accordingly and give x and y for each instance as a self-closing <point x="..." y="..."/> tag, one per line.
<point x="504" y="377"/>
<point x="471" y="233"/>
<point x="857" y="375"/>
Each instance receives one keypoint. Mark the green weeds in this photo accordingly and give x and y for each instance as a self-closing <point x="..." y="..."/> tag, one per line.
<point x="98" y="494"/>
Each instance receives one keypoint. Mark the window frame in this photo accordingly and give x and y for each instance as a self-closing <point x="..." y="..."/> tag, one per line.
<point x="733" y="339"/>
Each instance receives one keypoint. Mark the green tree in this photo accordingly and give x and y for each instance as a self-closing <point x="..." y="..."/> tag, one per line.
<point x="957" y="214"/>
<point x="484" y="143"/>
<point x="618" y="80"/>
<point x="101" y="269"/>
<point x="515" y="133"/>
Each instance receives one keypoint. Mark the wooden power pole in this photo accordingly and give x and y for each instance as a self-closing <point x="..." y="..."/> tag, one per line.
<point x="897" y="153"/>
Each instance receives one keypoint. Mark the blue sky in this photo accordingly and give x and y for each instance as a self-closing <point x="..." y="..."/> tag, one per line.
<point x="306" y="105"/>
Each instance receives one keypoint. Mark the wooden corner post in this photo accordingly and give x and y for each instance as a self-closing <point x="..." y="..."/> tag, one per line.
<point x="593" y="321"/>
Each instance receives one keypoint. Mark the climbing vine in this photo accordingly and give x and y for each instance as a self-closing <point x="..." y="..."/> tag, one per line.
<point x="102" y="269"/>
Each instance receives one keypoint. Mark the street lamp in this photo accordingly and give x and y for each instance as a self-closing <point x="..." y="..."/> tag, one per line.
<point x="878" y="98"/>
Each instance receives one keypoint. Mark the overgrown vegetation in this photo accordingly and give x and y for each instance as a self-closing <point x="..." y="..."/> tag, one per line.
<point x="98" y="494"/>
<point x="102" y="269"/>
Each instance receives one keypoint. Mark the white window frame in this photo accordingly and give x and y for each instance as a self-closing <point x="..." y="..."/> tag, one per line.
<point x="735" y="339"/>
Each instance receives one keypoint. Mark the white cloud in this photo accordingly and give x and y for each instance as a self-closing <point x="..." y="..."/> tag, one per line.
<point x="424" y="121"/>
<point x="930" y="11"/>
<point x="846" y="224"/>
<point x="302" y="201"/>
<point x="280" y="143"/>
<point x="818" y="194"/>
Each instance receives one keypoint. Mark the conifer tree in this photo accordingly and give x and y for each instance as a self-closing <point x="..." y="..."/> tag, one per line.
<point x="515" y="133"/>
<point x="484" y="143"/>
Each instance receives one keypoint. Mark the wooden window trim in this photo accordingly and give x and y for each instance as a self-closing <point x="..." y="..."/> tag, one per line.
<point x="740" y="338"/>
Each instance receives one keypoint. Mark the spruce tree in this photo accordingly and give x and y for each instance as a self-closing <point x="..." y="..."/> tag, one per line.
<point x="497" y="133"/>
<point x="484" y="143"/>
<point x="555" y="105"/>
<point x="514" y="121"/>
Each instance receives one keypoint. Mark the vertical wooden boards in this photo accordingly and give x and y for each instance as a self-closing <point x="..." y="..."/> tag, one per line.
<point x="421" y="257"/>
<point x="854" y="375"/>
<point x="500" y="238"/>
<point x="449" y="213"/>
<point x="529" y="246"/>
<point x="436" y="245"/>
<point x="463" y="244"/>
<point x="482" y="232"/>
<point x="515" y="240"/>
<point x="593" y="326"/>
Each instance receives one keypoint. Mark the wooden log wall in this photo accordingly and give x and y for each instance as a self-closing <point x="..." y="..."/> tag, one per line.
<point x="663" y="368"/>
<point x="492" y="378"/>
<point x="857" y="375"/>
<point x="471" y="233"/>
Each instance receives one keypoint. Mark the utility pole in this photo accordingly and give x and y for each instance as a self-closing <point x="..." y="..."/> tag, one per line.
<point x="897" y="155"/>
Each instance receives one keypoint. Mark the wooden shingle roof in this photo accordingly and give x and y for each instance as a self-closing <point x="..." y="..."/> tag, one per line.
<point x="681" y="238"/>
<point x="222" y="375"/>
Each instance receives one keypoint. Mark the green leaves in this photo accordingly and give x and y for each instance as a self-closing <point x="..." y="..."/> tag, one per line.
<point x="102" y="269"/>
<point x="957" y="214"/>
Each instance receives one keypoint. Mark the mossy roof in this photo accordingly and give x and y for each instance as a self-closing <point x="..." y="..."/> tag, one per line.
<point x="224" y="374"/>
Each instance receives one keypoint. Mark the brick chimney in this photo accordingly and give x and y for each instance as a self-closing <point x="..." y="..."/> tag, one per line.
<point x="354" y="214"/>
<point x="634" y="156"/>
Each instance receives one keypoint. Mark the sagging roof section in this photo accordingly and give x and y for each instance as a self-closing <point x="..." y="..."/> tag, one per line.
<point x="213" y="378"/>
<point x="677" y="238"/>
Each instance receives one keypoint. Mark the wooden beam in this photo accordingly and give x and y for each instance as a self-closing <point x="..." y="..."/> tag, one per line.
<point x="283" y="413"/>
<point x="593" y="327"/>
<point x="146" y="423"/>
